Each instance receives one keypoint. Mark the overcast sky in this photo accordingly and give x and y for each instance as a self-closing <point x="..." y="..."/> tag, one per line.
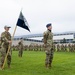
<point x="61" y="13"/>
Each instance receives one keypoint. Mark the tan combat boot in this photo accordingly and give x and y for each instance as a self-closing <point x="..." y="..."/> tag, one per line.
<point x="46" y="65"/>
<point x="50" y="65"/>
<point x="9" y="66"/>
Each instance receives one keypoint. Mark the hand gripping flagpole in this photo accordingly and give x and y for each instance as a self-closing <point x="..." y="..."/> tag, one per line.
<point x="9" y="48"/>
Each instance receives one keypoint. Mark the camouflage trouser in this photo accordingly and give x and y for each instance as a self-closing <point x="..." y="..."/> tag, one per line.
<point x="3" y="52"/>
<point x="49" y="55"/>
<point x="20" y="53"/>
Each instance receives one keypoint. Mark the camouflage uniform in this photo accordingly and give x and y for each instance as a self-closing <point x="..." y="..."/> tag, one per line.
<point x="69" y="47"/>
<point x="43" y="47"/>
<point x="74" y="47"/>
<point x="29" y="47"/>
<point x="13" y="48"/>
<point x="62" y="47"/>
<point x="36" y="47"/>
<point x="65" y="48"/>
<point x="25" y="47"/>
<point x="48" y="41"/>
<point x="54" y="47"/>
<point x="5" y="37"/>
<point x="58" y="48"/>
<point x="20" y="48"/>
<point x="40" y="47"/>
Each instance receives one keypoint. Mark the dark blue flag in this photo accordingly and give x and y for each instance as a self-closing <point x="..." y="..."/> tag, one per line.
<point x="22" y="22"/>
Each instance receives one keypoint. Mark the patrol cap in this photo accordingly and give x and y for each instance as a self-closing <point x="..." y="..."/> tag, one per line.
<point x="48" y="25"/>
<point x="7" y="26"/>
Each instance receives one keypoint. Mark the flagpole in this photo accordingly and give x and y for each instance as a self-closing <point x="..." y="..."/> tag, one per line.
<point x="9" y="47"/>
<point x="14" y="32"/>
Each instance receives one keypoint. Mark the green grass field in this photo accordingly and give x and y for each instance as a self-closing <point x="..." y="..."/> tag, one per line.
<point x="32" y="63"/>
